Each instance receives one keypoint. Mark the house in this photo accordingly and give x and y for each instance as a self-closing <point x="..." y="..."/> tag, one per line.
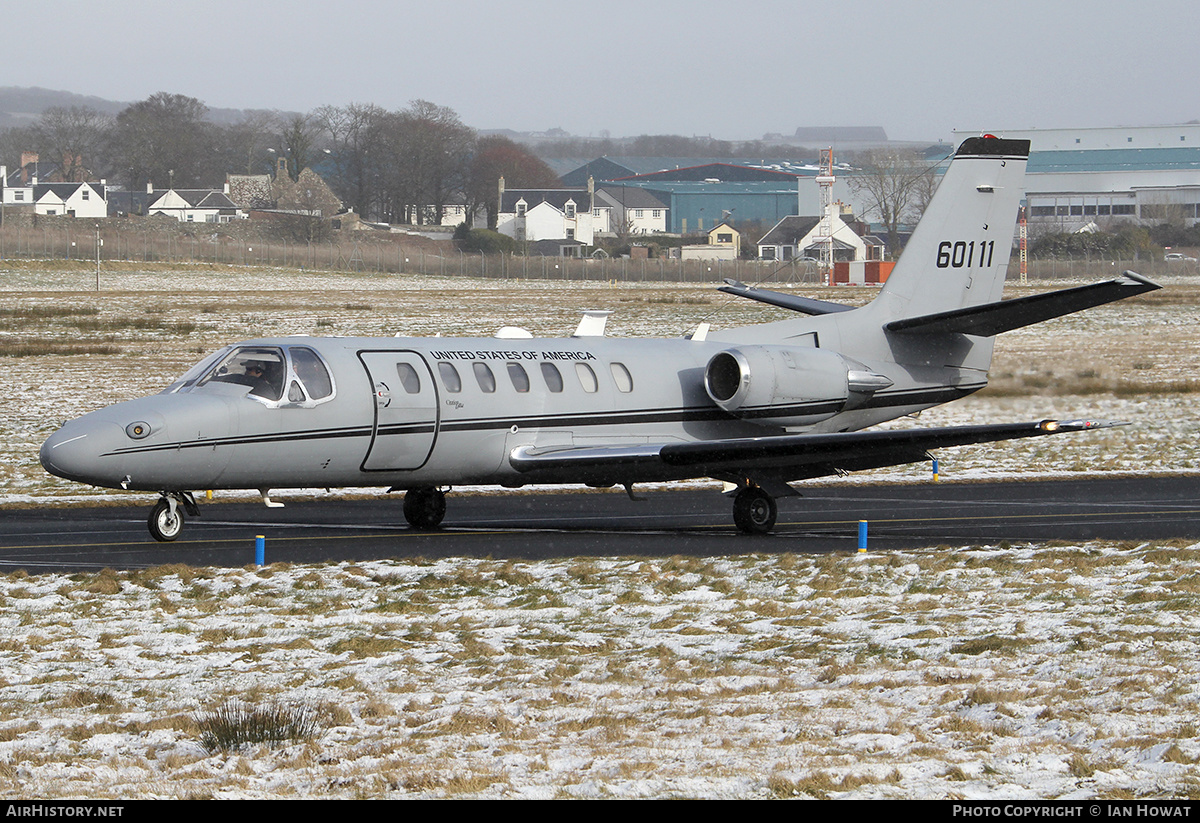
<point x="629" y="210"/>
<point x="723" y="235"/>
<point x="724" y="243"/>
<point x="53" y="199"/>
<point x="308" y="194"/>
<point x="71" y="199"/>
<point x="250" y="191"/>
<point x="528" y="215"/>
<point x="21" y="189"/>
<point x="797" y="236"/>
<point x="195" y="206"/>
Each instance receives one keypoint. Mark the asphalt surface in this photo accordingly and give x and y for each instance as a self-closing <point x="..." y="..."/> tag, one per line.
<point x="544" y="525"/>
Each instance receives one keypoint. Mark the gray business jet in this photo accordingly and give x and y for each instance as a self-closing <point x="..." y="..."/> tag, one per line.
<point x="757" y="407"/>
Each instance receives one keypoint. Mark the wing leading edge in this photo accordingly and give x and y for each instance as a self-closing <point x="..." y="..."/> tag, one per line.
<point x="779" y="458"/>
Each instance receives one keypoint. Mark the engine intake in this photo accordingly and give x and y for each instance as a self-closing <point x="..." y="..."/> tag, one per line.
<point x="786" y="386"/>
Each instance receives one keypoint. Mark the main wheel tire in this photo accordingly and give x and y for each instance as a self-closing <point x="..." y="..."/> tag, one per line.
<point x="165" y="526"/>
<point x="424" y="508"/>
<point x="754" y="511"/>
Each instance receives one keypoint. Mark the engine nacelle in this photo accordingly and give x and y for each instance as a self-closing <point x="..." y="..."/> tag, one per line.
<point x="787" y="386"/>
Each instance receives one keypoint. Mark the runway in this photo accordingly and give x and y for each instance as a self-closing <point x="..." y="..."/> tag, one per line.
<point x="539" y="525"/>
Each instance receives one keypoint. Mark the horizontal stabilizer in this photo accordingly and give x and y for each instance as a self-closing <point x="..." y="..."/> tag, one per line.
<point x="804" y="305"/>
<point x="786" y="457"/>
<point x="993" y="318"/>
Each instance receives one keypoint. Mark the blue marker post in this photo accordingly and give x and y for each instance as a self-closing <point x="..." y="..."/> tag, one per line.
<point x="260" y="550"/>
<point x="862" y="536"/>
<point x="935" y="470"/>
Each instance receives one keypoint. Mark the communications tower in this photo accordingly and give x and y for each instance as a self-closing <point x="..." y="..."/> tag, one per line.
<point x="824" y="233"/>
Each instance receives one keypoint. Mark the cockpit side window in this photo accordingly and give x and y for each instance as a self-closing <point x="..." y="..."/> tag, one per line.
<point x="311" y="371"/>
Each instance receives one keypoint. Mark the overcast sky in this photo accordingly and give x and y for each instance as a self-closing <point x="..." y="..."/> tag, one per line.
<point x="733" y="70"/>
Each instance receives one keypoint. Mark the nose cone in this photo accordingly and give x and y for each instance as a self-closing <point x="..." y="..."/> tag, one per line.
<point x="75" y="452"/>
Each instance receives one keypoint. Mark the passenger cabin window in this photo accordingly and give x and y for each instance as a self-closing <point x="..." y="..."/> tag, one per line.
<point x="519" y="378"/>
<point x="587" y="377"/>
<point x="621" y="377"/>
<point x="409" y="379"/>
<point x="552" y="376"/>
<point x="450" y="378"/>
<point x="484" y="377"/>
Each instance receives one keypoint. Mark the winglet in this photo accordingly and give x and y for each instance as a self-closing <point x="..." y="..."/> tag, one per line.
<point x="592" y="324"/>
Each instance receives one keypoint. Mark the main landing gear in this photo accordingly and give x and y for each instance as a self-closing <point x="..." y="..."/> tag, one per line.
<point x="166" y="518"/>
<point x="754" y="511"/>
<point x="424" y="508"/>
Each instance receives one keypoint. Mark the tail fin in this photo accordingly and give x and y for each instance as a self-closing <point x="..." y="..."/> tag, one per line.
<point x="958" y="254"/>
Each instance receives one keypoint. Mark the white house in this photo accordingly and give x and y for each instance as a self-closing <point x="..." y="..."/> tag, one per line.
<point x="54" y="199"/>
<point x="196" y="206"/>
<point x="547" y="214"/>
<point x="71" y="199"/>
<point x="796" y="236"/>
<point x="631" y="207"/>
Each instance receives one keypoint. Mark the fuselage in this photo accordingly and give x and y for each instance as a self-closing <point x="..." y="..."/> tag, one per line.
<point x="419" y="412"/>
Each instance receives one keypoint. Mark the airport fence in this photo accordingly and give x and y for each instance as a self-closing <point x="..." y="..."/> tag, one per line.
<point x="77" y="240"/>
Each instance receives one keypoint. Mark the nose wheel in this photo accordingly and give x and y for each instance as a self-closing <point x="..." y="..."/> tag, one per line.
<point x="166" y="516"/>
<point x="754" y="511"/>
<point x="424" y="508"/>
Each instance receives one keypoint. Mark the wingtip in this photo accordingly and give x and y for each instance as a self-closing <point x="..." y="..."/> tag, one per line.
<point x="1139" y="280"/>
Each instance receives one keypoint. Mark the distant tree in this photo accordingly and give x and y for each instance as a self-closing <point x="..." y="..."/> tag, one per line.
<point x="243" y="145"/>
<point x="888" y="182"/>
<point x="72" y="137"/>
<point x="162" y="134"/>
<point x="674" y="145"/>
<point x="497" y="157"/>
<point x="355" y="141"/>
<point x="425" y="149"/>
<point x="299" y="137"/>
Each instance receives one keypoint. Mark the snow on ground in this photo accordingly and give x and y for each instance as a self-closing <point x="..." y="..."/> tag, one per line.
<point x="1004" y="671"/>
<point x="1021" y="671"/>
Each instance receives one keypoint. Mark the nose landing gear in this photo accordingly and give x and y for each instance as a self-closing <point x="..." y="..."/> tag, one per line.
<point x="166" y="519"/>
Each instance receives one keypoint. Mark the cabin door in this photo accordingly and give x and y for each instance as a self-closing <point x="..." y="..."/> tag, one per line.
<point x="406" y="410"/>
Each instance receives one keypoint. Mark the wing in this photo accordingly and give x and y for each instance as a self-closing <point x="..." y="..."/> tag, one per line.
<point x="773" y="461"/>
<point x="991" y="319"/>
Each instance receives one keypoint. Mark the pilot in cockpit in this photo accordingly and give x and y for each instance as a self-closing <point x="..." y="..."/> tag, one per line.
<point x="262" y="382"/>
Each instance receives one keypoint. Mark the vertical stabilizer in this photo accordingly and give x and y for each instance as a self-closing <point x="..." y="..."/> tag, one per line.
<point x="958" y="254"/>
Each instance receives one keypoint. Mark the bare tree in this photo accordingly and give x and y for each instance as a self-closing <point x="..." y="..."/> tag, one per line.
<point x="425" y="150"/>
<point x="495" y="157"/>
<point x="72" y="137"/>
<point x="354" y="132"/>
<point x="300" y="135"/>
<point x="889" y="182"/>
<point x="165" y="138"/>
<point x="244" y="144"/>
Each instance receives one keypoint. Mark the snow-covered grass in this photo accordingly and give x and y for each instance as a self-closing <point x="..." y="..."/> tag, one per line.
<point x="1012" y="671"/>
<point x="996" y="671"/>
